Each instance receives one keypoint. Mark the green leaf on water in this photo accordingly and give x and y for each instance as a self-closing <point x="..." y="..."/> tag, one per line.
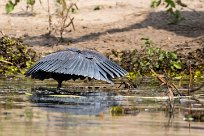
<point x="9" y="6"/>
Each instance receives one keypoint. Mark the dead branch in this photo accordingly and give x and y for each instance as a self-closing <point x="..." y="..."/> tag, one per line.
<point x="2" y="33"/>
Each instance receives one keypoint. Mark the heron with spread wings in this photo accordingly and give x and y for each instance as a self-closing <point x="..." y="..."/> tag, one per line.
<point x="73" y="64"/>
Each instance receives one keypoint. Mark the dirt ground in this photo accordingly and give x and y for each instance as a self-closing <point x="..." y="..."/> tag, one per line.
<point x="118" y="24"/>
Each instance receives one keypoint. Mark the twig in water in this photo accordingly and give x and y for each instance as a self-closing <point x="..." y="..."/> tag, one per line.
<point x="170" y="93"/>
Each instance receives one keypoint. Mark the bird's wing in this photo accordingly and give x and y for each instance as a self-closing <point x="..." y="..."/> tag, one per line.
<point x="107" y="69"/>
<point x="52" y="62"/>
<point x="105" y="64"/>
<point x="82" y="63"/>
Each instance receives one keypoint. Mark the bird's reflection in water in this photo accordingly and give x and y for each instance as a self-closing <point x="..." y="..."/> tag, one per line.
<point x="83" y="103"/>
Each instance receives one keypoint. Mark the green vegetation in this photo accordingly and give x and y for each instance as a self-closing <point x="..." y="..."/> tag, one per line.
<point x="116" y="110"/>
<point x="15" y="57"/>
<point x="121" y="110"/>
<point x="172" y="64"/>
<point x="149" y="58"/>
<point x="171" y="8"/>
<point x="11" y="5"/>
<point x="152" y="58"/>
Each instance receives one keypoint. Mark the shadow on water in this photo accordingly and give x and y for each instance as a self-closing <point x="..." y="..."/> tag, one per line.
<point x="192" y="26"/>
<point x="92" y="103"/>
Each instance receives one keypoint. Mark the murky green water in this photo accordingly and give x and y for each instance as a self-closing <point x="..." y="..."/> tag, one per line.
<point x="87" y="114"/>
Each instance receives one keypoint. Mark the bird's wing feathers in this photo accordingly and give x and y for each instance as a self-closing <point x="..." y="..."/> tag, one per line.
<point x="81" y="63"/>
<point x="102" y="60"/>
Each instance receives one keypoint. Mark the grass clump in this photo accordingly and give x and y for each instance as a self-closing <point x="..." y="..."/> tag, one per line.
<point x="15" y="57"/>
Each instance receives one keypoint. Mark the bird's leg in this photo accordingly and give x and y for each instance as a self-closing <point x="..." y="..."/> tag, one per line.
<point x="59" y="84"/>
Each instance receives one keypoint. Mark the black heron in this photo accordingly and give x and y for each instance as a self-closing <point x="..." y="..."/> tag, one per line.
<point x="73" y="64"/>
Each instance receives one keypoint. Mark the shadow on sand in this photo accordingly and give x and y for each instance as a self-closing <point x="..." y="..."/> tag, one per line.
<point x="191" y="26"/>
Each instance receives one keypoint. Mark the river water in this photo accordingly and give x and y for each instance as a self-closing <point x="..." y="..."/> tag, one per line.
<point x="90" y="114"/>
